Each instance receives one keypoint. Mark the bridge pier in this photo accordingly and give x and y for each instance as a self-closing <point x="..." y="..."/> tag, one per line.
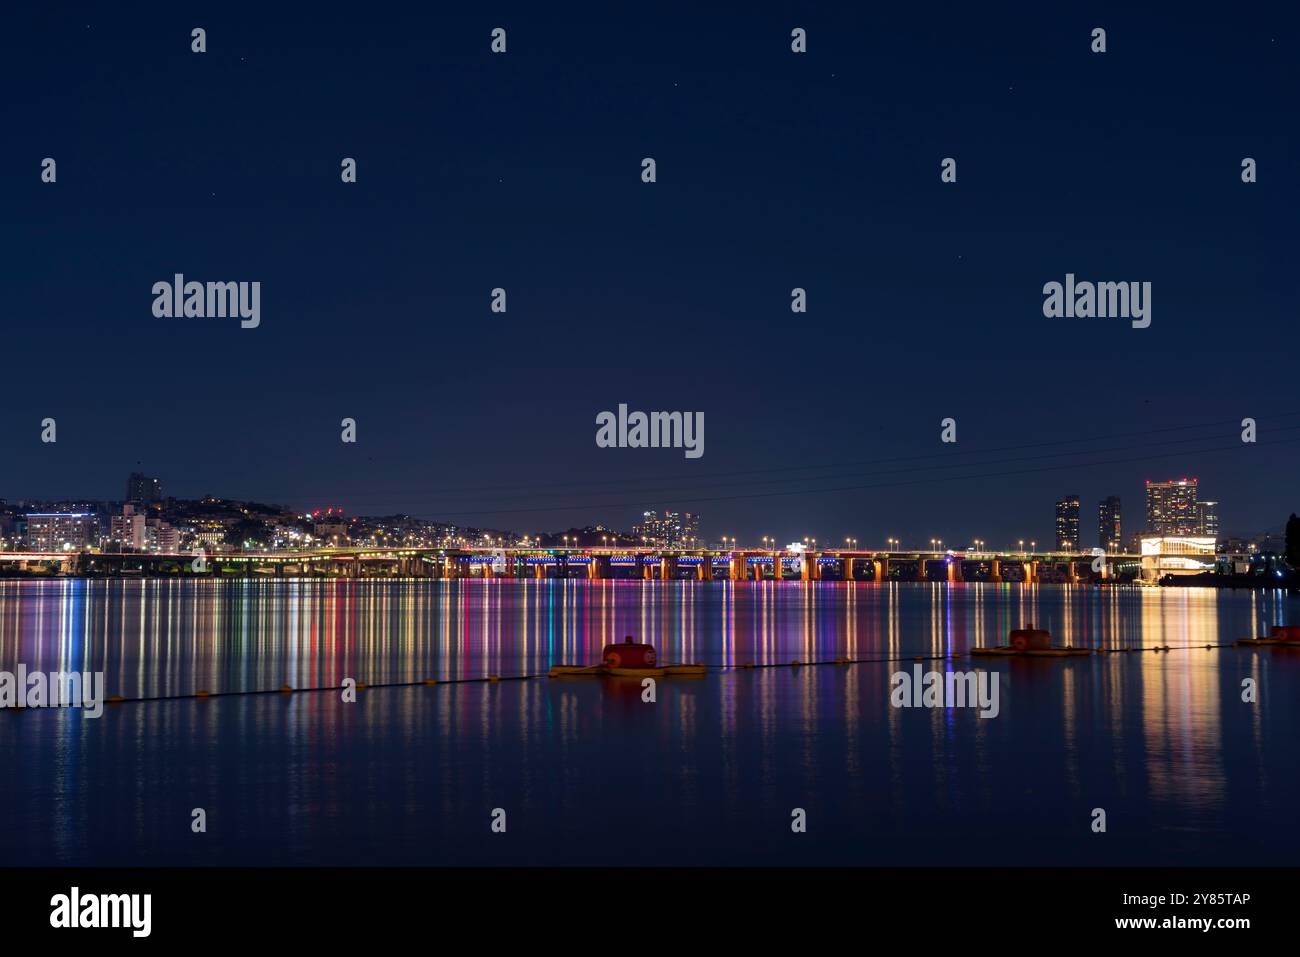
<point x="667" y="567"/>
<point x="955" y="575"/>
<point x="995" y="571"/>
<point x="848" y="569"/>
<point x="920" y="569"/>
<point x="880" y="567"/>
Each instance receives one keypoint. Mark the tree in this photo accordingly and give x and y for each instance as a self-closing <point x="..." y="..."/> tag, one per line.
<point x="247" y="530"/>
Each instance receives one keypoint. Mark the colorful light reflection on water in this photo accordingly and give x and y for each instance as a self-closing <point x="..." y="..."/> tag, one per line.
<point x="1188" y="773"/>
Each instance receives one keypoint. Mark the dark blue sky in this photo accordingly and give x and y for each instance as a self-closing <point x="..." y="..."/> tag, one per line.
<point x="775" y="170"/>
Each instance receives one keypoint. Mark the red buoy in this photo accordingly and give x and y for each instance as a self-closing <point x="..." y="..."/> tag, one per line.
<point x="1030" y="638"/>
<point x="629" y="654"/>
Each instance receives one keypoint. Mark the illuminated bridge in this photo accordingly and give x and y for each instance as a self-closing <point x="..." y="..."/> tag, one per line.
<point x="649" y="564"/>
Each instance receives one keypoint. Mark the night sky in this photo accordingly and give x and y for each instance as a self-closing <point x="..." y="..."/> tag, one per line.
<point x="775" y="170"/>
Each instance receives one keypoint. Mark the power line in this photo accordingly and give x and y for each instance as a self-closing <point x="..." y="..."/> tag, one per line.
<point x="622" y="483"/>
<point x="853" y="488"/>
<point x="678" y="488"/>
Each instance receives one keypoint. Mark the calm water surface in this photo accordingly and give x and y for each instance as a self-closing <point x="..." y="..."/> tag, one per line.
<point x="590" y="774"/>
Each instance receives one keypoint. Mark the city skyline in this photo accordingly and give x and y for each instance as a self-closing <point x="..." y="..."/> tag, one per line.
<point x="1171" y="508"/>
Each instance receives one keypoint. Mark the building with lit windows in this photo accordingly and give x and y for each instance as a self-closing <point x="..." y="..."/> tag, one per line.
<point x="143" y="489"/>
<point x="1171" y="507"/>
<point x="1176" y="555"/>
<point x="59" y="531"/>
<point x="127" y="531"/>
<point x="669" y="530"/>
<point x="1110" y="534"/>
<point x="162" y="537"/>
<point x="1208" y="518"/>
<point x="1067" y="524"/>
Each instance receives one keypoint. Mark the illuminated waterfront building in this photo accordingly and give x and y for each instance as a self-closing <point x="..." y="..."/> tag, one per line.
<point x="1176" y="555"/>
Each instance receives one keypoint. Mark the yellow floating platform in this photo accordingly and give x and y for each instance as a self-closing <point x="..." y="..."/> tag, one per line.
<point x="1007" y="652"/>
<point x="1265" y="643"/>
<point x="596" y="671"/>
<point x="686" y="671"/>
<point x="576" y="671"/>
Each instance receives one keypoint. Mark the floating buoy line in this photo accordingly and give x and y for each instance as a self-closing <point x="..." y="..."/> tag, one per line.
<point x="633" y="660"/>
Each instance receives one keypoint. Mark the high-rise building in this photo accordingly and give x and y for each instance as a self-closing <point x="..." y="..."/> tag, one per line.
<point x="651" y="530"/>
<point x="688" y="534"/>
<point x="1109" y="531"/>
<point x="1207" y="519"/>
<point x="143" y="489"/>
<point x="669" y="530"/>
<point x="1067" y="524"/>
<point x="1171" y="507"/>
<point x="59" y="531"/>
